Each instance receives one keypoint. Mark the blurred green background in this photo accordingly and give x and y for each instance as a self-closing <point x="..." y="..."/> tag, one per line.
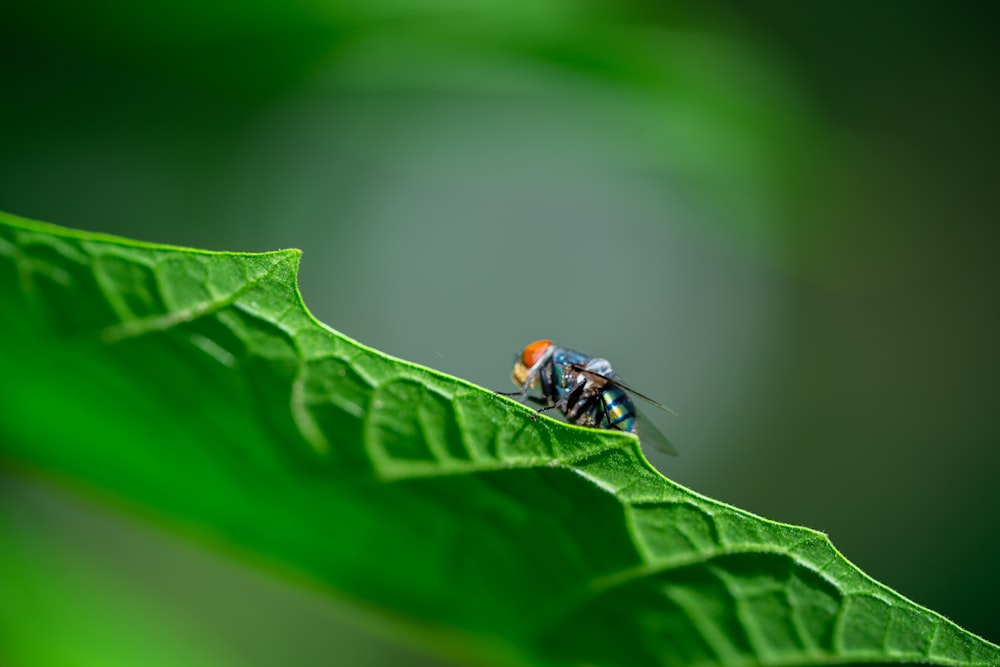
<point x="777" y="218"/>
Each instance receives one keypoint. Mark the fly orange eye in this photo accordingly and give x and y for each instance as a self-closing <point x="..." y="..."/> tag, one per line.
<point x="533" y="352"/>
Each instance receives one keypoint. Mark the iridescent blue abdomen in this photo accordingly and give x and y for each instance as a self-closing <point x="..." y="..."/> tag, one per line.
<point x="618" y="412"/>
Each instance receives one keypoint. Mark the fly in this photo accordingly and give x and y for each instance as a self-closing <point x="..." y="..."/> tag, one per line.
<point x="585" y="390"/>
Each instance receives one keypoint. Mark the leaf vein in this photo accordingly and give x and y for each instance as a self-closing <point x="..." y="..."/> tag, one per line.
<point x="155" y="323"/>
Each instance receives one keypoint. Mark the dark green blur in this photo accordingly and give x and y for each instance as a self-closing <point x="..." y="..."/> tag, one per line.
<point x="778" y="219"/>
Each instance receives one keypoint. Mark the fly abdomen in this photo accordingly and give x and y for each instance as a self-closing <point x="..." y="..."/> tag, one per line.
<point x="616" y="410"/>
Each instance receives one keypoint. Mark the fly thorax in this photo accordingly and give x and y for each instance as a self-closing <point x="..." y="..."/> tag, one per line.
<point x="601" y="367"/>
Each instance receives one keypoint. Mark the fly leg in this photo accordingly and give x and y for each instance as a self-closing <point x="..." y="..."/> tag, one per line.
<point x="574" y="402"/>
<point x="560" y="404"/>
<point x="524" y="397"/>
<point x="539" y="411"/>
<point x="522" y="393"/>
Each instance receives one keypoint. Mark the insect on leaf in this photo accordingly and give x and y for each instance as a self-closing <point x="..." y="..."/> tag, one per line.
<point x="196" y="387"/>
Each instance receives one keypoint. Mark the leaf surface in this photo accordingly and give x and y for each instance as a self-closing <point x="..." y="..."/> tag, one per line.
<point x="197" y="386"/>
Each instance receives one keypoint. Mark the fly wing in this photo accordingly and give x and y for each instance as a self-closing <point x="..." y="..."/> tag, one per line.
<point x="601" y="379"/>
<point x="642" y="396"/>
<point x="647" y="431"/>
<point x="649" y="434"/>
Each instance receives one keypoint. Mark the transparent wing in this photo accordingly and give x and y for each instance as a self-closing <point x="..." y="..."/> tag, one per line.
<point x="618" y="383"/>
<point x="647" y="431"/>
<point x="649" y="434"/>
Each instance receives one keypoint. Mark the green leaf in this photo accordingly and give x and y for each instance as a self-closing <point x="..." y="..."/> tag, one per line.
<point x="197" y="386"/>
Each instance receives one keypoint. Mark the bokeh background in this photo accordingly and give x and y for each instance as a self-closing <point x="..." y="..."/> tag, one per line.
<point x="780" y="219"/>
